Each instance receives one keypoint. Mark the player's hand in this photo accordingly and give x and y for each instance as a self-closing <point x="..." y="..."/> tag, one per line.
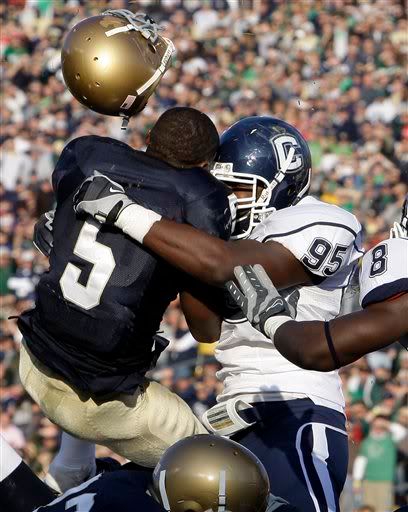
<point x="43" y="238"/>
<point x="400" y="230"/>
<point x="102" y="198"/>
<point x="404" y="215"/>
<point x="397" y="231"/>
<point x="257" y="296"/>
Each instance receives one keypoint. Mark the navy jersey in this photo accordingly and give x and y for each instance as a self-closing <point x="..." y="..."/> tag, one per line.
<point x="122" y="490"/>
<point x="100" y="304"/>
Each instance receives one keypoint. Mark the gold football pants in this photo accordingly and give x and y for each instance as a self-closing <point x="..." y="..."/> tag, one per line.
<point x="139" y="427"/>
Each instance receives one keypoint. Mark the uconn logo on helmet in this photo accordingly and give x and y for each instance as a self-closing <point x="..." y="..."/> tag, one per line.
<point x="287" y="152"/>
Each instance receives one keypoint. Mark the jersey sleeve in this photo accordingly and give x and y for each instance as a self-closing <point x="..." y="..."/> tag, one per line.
<point x="325" y="245"/>
<point x="66" y="164"/>
<point x="107" y="492"/>
<point x="69" y="172"/>
<point x="384" y="271"/>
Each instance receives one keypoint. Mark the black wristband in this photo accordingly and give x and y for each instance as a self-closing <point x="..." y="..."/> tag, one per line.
<point x="330" y="344"/>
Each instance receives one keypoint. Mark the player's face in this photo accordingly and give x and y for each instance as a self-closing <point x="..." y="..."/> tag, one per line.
<point x="243" y="191"/>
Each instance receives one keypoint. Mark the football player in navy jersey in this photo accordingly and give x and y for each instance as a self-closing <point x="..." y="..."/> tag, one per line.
<point x="330" y="345"/>
<point x="198" y="473"/>
<point x="92" y="335"/>
<point x="291" y="418"/>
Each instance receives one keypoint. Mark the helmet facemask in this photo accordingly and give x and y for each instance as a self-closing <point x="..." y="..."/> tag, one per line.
<point x="254" y="208"/>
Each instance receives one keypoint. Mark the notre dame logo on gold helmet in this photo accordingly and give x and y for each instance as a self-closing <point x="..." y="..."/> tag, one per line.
<point x="113" y="62"/>
<point x="211" y="474"/>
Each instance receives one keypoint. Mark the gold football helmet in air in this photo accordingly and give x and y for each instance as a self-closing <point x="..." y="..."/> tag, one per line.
<point x="113" y="62"/>
<point x="208" y="473"/>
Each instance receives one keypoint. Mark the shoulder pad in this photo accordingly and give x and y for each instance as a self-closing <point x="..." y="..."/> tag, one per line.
<point x="384" y="271"/>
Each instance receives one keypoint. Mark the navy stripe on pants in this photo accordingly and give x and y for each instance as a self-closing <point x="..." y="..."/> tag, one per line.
<point x="304" y="449"/>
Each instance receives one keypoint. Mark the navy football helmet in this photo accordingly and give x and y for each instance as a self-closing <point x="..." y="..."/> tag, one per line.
<point x="269" y="157"/>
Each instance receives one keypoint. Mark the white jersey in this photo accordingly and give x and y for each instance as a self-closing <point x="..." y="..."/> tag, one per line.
<point x="384" y="271"/>
<point x="327" y="240"/>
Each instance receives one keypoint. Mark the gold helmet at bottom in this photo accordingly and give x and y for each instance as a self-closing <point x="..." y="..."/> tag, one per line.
<point x="113" y="62"/>
<point x="208" y="473"/>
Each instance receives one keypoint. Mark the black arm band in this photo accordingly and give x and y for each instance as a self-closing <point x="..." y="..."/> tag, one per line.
<point x="330" y="344"/>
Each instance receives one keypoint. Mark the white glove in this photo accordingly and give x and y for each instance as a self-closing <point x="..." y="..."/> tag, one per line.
<point x="102" y="198"/>
<point x="108" y="203"/>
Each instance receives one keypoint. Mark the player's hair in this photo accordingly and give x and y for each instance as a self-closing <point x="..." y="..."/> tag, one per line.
<point x="183" y="137"/>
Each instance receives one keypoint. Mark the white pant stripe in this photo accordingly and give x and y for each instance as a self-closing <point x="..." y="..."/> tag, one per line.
<point x="320" y="455"/>
<point x="322" y="471"/>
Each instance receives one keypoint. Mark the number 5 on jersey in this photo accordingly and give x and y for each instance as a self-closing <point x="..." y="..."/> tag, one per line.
<point x="88" y="296"/>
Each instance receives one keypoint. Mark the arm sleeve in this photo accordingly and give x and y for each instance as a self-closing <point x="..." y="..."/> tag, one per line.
<point x="68" y="166"/>
<point x="384" y="271"/>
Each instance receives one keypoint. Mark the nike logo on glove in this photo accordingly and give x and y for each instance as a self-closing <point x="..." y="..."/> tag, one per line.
<point x="115" y="190"/>
<point x="278" y="302"/>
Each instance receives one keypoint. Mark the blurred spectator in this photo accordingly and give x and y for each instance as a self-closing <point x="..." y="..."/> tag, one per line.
<point x="366" y="508"/>
<point x="375" y="465"/>
<point x="12" y="434"/>
<point x="336" y="70"/>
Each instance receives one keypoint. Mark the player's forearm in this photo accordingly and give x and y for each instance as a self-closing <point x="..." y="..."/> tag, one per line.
<point x="371" y="329"/>
<point x="304" y="344"/>
<point x="204" y="324"/>
<point x="197" y="253"/>
<point x="190" y="250"/>
<point x="354" y="335"/>
<point x="203" y="256"/>
<point x="212" y="260"/>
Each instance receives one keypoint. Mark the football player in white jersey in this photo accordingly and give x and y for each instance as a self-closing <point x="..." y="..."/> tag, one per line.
<point x="330" y="345"/>
<point x="291" y="418"/>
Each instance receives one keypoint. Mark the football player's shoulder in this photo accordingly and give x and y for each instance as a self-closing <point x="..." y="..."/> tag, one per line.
<point x="69" y="164"/>
<point x="320" y="213"/>
<point x="100" y="147"/>
<point x="309" y="217"/>
<point x="386" y="256"/>
<point x="384" y="271"/>
<point x="206" y="202"/>
<point x="87" y="141"/>
<point x="197" y="183"/>
<point x="323" y="237"/>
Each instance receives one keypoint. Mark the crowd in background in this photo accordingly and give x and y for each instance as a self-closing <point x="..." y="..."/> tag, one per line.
<point x="335" y="69"/>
